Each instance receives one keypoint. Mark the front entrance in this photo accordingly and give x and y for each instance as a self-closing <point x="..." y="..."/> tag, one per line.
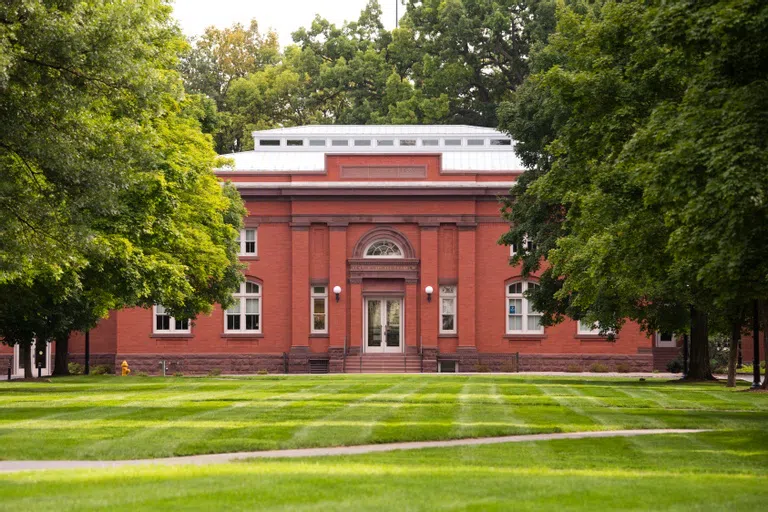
<point x="38" y="356"/>
<point x="383" y="325"/>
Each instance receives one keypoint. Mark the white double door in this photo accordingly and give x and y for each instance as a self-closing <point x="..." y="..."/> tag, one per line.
<point x="383" y="324"/>
<point x="36" y="354"/>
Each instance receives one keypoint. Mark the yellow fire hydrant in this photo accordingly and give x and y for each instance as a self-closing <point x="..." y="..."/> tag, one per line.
<point x="125" y="368"/>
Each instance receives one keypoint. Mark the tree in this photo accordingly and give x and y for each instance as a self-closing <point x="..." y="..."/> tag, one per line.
<point x="648" y="144"/>
<point x="473" y="51"/>
<point x="108" y="192"/>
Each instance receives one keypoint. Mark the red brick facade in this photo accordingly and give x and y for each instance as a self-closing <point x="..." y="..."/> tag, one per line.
<point x="312" y="228"/>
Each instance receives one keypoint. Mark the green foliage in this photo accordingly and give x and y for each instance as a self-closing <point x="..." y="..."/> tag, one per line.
<point x="101" y="369"/>
<point x="598" y="368"/>
<point x="675" y="366"/>
<point x="76" y="369"/>
<point x="108" y="197"/>
<point x="214" y="373"/>
<point x="643" y="127"/>
<point x="623" y="368"/>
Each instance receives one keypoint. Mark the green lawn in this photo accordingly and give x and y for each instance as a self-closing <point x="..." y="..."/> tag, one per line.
<point x="121" y="418"/>
<point x="108" y="417"/>
<point x="710" y="471"/>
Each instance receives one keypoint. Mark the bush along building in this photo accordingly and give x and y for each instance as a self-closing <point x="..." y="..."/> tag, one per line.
<point x="371" y="248"/>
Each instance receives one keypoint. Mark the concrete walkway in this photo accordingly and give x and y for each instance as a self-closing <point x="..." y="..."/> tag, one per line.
<point x="218" y="458"/>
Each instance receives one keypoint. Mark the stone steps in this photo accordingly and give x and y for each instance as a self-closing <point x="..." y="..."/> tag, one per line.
<point x="383" y="363"/>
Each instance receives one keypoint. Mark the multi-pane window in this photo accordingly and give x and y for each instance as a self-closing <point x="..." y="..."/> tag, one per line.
<point x="383" y="249"/>
<point x="164" y="322"/>
<point x="245" y="313"/>
<point x="447" y="310"/>
<point x="521" y="317"/>
<point x="247" y="242"/>
<point x="319" y="309"/>
<point x="528" y="246"/>
<point x="589" y="328"/>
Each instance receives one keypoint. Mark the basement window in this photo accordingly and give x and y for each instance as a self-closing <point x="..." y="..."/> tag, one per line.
<point x="501" y="142"/>
<point x="385" y="142"/>
<point x="269" y="142"/>
<point x="407" y="142"/>
<point x="317" y="142"/>
<point x="429" y="142"/>
<point x="362" y="142"/>
<point x="339" y="142"/>
<point x="448" y="367"/>
<point x="295" y="142"/>
<point x="452" y="142"/>
<point x="475" y="142"/>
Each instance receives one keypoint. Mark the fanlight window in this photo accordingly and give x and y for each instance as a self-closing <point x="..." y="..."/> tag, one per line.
<point x="383" y="249"/>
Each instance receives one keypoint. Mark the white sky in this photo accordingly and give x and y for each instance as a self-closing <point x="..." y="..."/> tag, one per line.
<point x="284" y="16"/>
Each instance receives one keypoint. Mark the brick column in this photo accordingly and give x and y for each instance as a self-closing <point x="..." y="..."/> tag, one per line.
<point x="411" y="317"/>
<point x="337" y="311"/>
<point x="467" y="297"/>
<point x="428" y="325"/>
<point x="355" y="342"/>
<point x="299" y="355"/>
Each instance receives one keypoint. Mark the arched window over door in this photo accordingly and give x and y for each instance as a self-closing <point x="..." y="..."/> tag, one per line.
<point x="383" y="249"/>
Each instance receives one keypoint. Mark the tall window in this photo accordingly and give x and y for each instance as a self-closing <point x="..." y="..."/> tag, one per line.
<point x="447" y="310"/>
<point x="245" y="313"/>
<point x="383" y="249"/>
<point x="165" y="323"/>
<point x="521" y="317"/>
<point x="247" y="242"/>
<point x="319" y="309"/>
<point x="528" y="246"/>
<point x="666" y="339"/>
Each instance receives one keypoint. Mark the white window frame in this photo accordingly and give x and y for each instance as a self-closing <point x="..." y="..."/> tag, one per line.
<point x="313" y="295"/>
<point x="241" y="299"/>
<point x="390" y="256"/>
<point x="172" y="329"/>
<point x="447" y="294"/>
<point x="242" y="241"/>
<point x="528" y="244"/>
<point x="524" y="306"/>
<point x="594" y="329"/>
<point x="665" y="344"/>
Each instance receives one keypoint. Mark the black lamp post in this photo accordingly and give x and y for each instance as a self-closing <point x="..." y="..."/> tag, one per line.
<point x="756" y="345"/>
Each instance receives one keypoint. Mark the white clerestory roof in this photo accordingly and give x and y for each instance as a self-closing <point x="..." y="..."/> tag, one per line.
<point x="304" y="148"/>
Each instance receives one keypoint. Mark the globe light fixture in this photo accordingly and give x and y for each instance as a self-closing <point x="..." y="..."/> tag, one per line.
<point x="337" y="291"/>
<point x="429" y="291"/>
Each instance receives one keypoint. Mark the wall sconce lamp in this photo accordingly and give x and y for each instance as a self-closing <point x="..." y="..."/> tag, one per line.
<point x="337" y="291"/>
<point x="429" y="291"/>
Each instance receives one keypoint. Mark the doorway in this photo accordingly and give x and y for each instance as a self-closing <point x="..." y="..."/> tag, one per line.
<point x="383" y="325"/>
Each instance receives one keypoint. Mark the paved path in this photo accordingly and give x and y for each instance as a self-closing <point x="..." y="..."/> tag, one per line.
<point x="26" y="465"/>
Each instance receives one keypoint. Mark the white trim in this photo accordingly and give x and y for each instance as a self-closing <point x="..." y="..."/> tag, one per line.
<point x="312" y="296"/>
<point x="171" y="324"/>
<point x="665" y="343"/>
<point x="524" y="313"/>
<point x="472" y="185"/>
<point x="528" y="244"/>
<point x="18" y="368"/>
<point x="241" y="300"/>
<point x="242" y="240"/>
<point x="448" y="296"/>
<point x="594" y="329"/>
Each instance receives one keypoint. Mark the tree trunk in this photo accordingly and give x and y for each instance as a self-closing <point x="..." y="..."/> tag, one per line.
<point x="61" y="364"/>
<point x="25" y="349"/>
<point x="765" y="344"/>
<point x="733" y="353"/>
<point x="699" y="367"/>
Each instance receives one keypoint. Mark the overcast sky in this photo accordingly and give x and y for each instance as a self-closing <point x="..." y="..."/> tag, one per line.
<point x="285" y="16"/>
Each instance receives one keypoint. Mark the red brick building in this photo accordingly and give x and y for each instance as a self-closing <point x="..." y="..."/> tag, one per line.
<point x="370" y="248"/>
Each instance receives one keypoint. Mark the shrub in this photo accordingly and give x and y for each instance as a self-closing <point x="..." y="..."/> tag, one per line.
<point x="214" y="373"/>
<point x="262" y="372"/>
<point x="76" y="368"/>
<point x="509" y="367"/>
<point x="675" y="366"/>
<point x="482" y="368"/>
<point x="142" y="374"/>
<point x="101" y="369"/>
<point x="573" y="368"/>
<point x="598" y="368"/>
<point x="623" y="368"/>
<point x="178" y="374"/>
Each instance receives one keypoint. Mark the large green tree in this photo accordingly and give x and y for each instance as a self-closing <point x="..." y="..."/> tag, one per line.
<point x="643" y="129"/>
<point x="107" y="188"/>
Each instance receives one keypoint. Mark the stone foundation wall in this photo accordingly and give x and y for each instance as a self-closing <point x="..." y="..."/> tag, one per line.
<point x="202" y="364"/>
<point x="583" y="362"/>
<point x="6" y="360"/>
